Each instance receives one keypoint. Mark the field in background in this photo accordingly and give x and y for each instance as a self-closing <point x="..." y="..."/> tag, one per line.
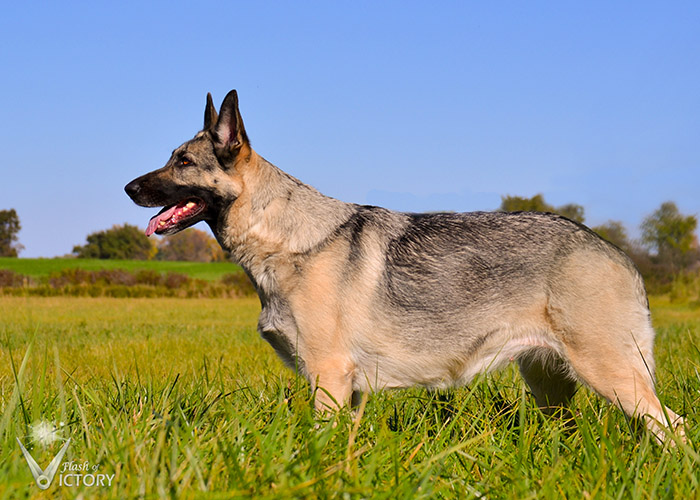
<point x="180" y="398"/>
<point x="122" y="279"/>
<point x="41" y="268"/>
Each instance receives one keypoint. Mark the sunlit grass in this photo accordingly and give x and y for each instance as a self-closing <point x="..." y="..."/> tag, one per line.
<point x="181" y="399"/>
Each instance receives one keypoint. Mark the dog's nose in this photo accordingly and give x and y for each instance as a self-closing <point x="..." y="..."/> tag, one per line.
<point x="133" y="188"/>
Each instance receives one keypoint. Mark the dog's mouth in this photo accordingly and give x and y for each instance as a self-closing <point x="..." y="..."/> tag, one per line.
<point x="176" y="217"/>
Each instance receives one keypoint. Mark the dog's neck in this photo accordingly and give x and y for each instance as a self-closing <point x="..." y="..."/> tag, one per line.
<point x="277" y="216"/>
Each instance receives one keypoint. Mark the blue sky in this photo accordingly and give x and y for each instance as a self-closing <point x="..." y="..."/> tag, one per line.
<point x="409" y="105"/>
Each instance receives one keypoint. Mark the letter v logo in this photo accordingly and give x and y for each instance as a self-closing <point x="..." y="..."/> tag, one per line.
<point x="43" y="478"/>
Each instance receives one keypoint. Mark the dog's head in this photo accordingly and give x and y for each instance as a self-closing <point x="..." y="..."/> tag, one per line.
<point x="201" y="176"/>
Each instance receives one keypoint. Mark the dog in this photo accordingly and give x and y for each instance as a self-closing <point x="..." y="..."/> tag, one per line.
<point x="361" y="298"/>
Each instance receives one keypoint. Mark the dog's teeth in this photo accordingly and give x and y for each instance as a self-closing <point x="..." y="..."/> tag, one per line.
<point x="184" y="209"/>
<point x="190" y="205"/>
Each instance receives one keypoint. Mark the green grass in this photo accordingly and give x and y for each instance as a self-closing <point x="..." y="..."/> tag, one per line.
<point x="181" y="399"/>
<point x="40" y="268"/>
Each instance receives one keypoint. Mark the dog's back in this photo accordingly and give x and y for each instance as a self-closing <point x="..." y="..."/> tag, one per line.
<point x="450" y="285"/>
<point x="474" y="259"/>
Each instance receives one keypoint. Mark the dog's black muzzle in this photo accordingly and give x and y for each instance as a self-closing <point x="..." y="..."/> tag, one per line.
<point x="150" y="191"/>
<point x="133" y="188"/>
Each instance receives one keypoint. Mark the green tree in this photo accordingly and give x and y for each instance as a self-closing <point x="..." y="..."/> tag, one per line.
<point x="671" y="235"/>
<point x="537" y="204"/>
<point x="190" y="245"/>
<point x="119" y="242"/>
<point x="9" y="227"/>
<point x="571" y="211"/>
<point x="615" y="232"/>
<point x="520" y="204"/>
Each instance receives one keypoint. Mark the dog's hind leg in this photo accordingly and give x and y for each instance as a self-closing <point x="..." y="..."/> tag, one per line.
<point x="612" y="353"/>
<point x="623" y="374"/>
<point x="597" y="310"/>
<point x="550" y="380"/>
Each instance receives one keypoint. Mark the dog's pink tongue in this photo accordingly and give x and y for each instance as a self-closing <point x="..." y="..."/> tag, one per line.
<point x="164" y="216"/>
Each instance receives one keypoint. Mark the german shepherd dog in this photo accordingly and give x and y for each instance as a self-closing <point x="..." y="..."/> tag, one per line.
<point x="361" y="298"/>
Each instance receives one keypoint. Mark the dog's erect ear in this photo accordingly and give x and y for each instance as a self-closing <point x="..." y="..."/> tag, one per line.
<point x="229" y="133"/>
<point x="210" y="115"/>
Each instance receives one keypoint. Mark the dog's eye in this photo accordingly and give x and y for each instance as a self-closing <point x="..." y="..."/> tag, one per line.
<point x="185" y="162"/>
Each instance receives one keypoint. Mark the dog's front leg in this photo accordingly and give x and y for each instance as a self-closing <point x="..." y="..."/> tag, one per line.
<point x="331" y="381"/>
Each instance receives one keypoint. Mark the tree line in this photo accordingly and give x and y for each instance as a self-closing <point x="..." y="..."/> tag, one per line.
<point x="130" y="243"/>
<point x="123" y="242"/>
<point x="9" y="227"/>
<point x="668" y="246"/>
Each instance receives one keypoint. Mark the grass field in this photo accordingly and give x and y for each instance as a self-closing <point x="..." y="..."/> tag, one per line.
<point x="40" y="268"/>
<point x="179" y="398"/>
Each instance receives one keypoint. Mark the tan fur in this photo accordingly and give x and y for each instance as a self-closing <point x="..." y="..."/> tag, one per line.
<point x="618" y="364"/>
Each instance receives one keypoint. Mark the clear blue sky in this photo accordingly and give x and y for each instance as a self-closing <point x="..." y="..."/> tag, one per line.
<point x="411" y="105"/>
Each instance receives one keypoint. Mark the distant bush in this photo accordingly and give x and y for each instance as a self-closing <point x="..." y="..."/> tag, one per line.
<point x="121" y="283"/>
<point x="239" y="281"/>
<point x="119" y="242"/>
<point x="177" y="280"/>
<point x="685" y="287"/>
<point x="12" y="279"/>
<point x="190" y="245"/>
<point x="148" y="277"/>
<point x="537" y="204"/>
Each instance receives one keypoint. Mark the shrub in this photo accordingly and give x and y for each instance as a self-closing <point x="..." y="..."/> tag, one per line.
<point x="118" y="242"/>
<point x="239" y="281"/>
<point x="148" y="277"/>
<point x="685" y="287"/>
<point x="121" y="283"/>
<point x="177" y="280"/>
<point x="12" y="279"/>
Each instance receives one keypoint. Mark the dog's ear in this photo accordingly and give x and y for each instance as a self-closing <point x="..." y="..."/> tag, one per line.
<point x="210" y="115"/>
<point x="229" y="133"/>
